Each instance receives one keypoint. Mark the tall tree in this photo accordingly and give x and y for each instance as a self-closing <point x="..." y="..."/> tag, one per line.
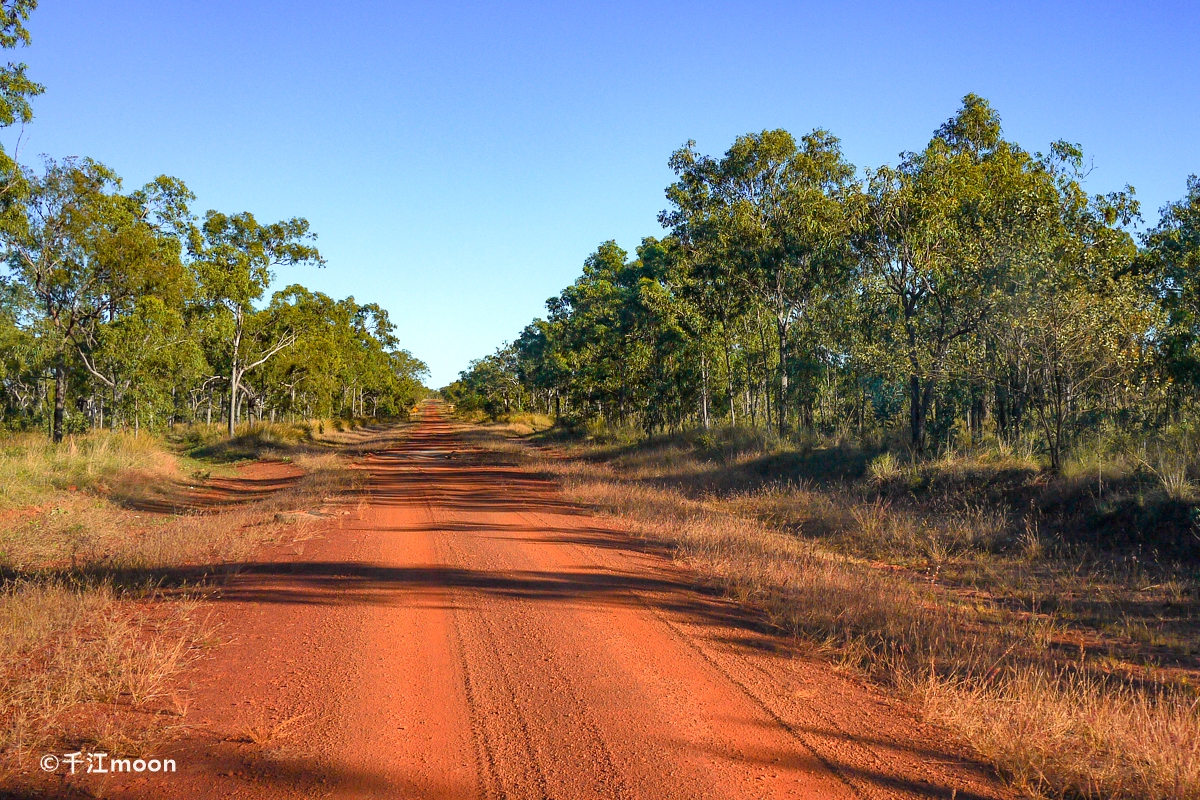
<point x="233" y="256"/>
<point x="16" y="88"/>
<point x="1172" y="263"/>
<point x="779" y="216"/>
<point x="943" y="230"/>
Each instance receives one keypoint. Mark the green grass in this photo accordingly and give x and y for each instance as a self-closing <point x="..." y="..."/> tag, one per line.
<point x="32" y="469"/>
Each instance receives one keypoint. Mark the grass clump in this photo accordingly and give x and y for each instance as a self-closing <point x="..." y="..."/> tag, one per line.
<point x="1072" y="734"/>
<point x="32" y="468"/>
<point x="66" y="647"/>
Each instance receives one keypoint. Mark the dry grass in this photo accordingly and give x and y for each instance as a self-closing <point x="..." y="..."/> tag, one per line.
<point x="63" y="647"/>
<point x="1010" y="678"/>
<point x="266" y="730"/>
<point x="100" y="598"/>
<point x="1071" y="734"/>
<point x="32" y="468"/>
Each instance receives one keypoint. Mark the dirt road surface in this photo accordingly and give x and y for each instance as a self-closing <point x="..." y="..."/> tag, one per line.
<point x="460" y="631"/>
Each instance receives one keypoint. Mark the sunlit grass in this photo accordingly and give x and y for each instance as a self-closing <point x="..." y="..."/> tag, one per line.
<point x="32" y="467"/>
<point x="806" y="552"/>
<point x="93" y="606"/>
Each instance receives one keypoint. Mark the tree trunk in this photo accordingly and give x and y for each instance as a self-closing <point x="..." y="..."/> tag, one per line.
<point x="918" y="401"/>
<point x="60" y="400"/>
<point x="766" y="371"/>
<point x="233" y="403"/>
<point x="728" y="370"/>
<point x="781" y="406"/>
<point x="235" y="376"/>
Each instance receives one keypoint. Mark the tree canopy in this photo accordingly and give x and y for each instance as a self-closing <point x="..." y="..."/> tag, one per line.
<point x="973" y="290"/>
<point x="122" y="309"/>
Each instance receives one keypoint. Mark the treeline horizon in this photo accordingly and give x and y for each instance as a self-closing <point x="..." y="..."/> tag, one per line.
<point x="122" y="309"/>
<point x="973" y="292"/>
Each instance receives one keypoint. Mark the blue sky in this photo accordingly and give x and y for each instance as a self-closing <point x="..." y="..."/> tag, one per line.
<point x="459" y="161"/>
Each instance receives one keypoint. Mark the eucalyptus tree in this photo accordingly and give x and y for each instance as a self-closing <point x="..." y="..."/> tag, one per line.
<point x="146" y="298"/>
<point x="345" y="356"/>
<point x="698" y="209"/>
<point x="971" y="277"/>
<point x="16" y="88"/>
<point x="21" y="354"/>
<point x="233" y="257"/>
<point x="942" y="232"/>
<point x="1172" y="263"/>
<point x="83" y="252"/>
<point x="1089" y="316"/>
<point x="675" y="325"/>
<point x="590" y="316"/>
<point x="144" y="357"/>
<point x="1074" y="325"/>
<point x="778" y="215"/>
<point x="543" y="364"/>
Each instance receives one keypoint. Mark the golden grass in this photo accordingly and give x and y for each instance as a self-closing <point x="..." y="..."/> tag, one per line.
<point x="1071" y="734"/>
<point x="264" y="729"/>
<point x="32" y="468"/>
<point x="1052" y="726"/>
<point x="62" y="647"/>
<point x="99" y="598"/>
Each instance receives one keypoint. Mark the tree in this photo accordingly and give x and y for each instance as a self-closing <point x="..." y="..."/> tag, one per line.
<point x="706" y="278"/>
<point x="15" y="86"/>
<point x="1171" y="262"/>
<point x="943" y="233"/>
<point x="233" y="256"/>
<point x="142" y="357"/>
<point x="974" y="282"/>
<point x="779" y="217"/>
<point x="82" y="252"/>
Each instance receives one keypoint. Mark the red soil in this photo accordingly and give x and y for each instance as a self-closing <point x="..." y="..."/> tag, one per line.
<point x="467" y="633"/>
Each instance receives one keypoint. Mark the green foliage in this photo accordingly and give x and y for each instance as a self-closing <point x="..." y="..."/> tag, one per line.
<point x="972" y="296"/>
<point x="120" y="309"/>
<point x="1171" y="262"/>
<point x="16" y="88"/>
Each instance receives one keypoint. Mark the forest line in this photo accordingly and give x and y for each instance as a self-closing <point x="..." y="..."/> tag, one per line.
<point x="124" y="309"/>
<point x="939" y="418"/>
<point x="974" y="292"/>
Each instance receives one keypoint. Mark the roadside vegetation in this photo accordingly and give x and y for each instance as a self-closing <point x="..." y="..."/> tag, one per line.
<point x="936" y="419"/>
<point x="124" y="310"/>
<point x="109" y="545"/>
<point x="1072" y="669"/>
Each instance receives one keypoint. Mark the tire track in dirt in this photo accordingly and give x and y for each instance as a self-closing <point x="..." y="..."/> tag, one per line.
<point x="730" y="664"/>
<point x="596" y="775"/>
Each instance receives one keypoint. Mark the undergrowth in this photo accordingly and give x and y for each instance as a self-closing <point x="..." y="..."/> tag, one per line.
<point x="32" y="468"/>
<point x="970" y="583"/>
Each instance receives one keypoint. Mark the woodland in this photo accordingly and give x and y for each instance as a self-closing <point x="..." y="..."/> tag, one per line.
<point x="973" y="294"/>
<point x="123" y="309"/>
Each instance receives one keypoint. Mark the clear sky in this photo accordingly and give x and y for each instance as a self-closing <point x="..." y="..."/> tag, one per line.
<point x="459" y="161"/>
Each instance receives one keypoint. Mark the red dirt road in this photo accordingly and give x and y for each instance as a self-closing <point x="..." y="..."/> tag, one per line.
<point x="465" y="633"/>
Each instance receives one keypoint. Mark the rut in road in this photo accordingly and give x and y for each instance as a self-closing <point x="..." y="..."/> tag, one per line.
<point x="468" y="633"/>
